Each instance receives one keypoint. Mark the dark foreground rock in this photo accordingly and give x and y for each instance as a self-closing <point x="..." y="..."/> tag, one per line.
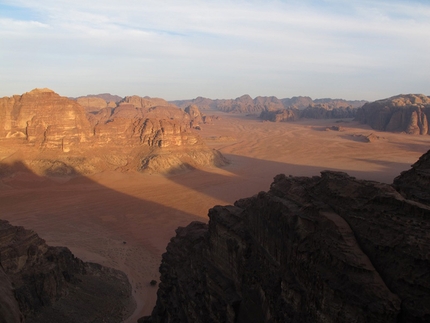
<point x="48" y="284"/>
<point x="329" y="248"/>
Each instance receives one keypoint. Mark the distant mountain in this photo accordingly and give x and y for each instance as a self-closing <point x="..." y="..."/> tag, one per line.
<point x="95" y="102"/>
<point x="318" y="111"/>
<point x="245" y="104"/>
<point x="105" y="96"/>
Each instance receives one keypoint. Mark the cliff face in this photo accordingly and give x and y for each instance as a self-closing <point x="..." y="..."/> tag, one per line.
<point x="51" y="285"/>
<point x="50" y="129"/>
<point x="44" y="119"/>
<point x="323" y="249"/>
<point x="403" y="113"/>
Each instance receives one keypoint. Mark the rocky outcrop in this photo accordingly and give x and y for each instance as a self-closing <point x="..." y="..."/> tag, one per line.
<point x="51" y="285"/>
<point x="340" y="103"/>
<point x="319" y="111"/>
<point x="283" y="115"/>
<point x="56" y="133"/>
<point x="245" y="104"/>
<point x="329" y="248"/>
<point x="414" y="184"/>
<point x="94" y="104"/>
<point x="324" y="111"/>
<point x="403" y="113"/>
<point x="195" y="115"/>
<point x="44" y="119"/>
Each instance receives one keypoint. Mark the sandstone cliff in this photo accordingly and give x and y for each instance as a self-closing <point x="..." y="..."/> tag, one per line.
<point x="52" y="133"/>
<point x="44" y="119"/>
<point x="51" y="285"/>
<point x="329" y="248"/>
<point x="403" y="113"/>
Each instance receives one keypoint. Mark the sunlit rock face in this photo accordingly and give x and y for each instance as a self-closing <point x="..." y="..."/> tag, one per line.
<point x="403" y="113"/>
<point x="44" y="119"/>
<point x="329" y="248"/>
<point x="130" y="135"/>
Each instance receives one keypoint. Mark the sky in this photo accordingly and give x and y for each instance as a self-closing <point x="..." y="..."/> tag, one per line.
<point x="355" y="49"/>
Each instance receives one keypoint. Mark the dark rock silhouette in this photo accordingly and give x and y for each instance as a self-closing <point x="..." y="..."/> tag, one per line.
<point x="329" y="248"/>
<point x="414" y="184"/>
<point x="51" y="285"/>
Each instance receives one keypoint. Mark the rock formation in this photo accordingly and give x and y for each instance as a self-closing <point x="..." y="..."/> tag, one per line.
<point x="403" y="113"/>
<point x="44" y="119"/>
<point x="245" y="104"/>
<point x="282" y="115"/>
<point x="195" y="115"/>
<point x="95" y="102"/>
<point x="56" y="133"/>
<point x="414" y="184"/>
<point x="319" y="111"/>
<point x="48" y="284"/>
<point x="329" y="248"/>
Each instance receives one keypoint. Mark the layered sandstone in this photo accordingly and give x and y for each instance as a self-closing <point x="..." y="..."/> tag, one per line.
<point x="329" y="248"/>
<point x="44" y="119"/>
<point x="403" y="113"/>
<point x="51" y="285"/>
<point x="58" y="137"/>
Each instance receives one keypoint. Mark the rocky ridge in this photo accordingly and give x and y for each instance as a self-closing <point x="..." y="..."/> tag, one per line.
<point x="328" y="248"/>
<point x="59" y="137"/>
<point x="95" y="102"/>
<point x="403" y="113"/>
<point x="245" y="104"/>
<point x="49" y="284"/>
<point x="319" y="111"/>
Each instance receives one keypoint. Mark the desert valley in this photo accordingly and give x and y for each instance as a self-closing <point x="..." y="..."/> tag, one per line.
<point x="112" y="178"/>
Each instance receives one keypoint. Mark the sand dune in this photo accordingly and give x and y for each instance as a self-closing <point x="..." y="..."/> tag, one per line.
<point x="125" y="220"/>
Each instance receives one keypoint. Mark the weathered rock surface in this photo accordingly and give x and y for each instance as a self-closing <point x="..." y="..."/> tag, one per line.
<point x="57" y="134"/>
<point x="245" y="104"/>
<point x="403" y="113"/>
<point x="51" y="285"/>
<point x="44" y="119"/>
<point x="329" y="248"/>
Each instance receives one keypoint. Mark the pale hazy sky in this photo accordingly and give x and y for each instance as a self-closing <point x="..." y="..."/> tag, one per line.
<point x="354" y="49"/>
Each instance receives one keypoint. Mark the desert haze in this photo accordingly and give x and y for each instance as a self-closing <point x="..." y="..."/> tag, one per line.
<point x="122" y="217"/>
